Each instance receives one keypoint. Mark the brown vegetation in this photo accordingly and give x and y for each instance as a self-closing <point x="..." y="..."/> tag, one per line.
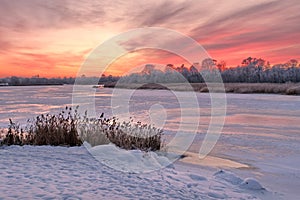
<point x="268" y="88"/>
<point x="69" y="129"/>
<point x="47" y="129"/>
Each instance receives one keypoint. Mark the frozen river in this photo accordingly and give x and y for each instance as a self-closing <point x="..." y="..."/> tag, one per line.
<point x="262" y="131"/>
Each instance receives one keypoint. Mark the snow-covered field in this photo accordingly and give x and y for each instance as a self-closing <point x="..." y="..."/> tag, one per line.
<point x="72" y="173"/>
<point x="261" y="132"/>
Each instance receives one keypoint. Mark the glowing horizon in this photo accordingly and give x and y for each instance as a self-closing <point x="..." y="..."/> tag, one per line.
<point x="52" y="39"/>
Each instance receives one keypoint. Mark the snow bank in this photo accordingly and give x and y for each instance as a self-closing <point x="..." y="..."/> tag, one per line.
<point x="251" y="184"/>
<point x="134" y="161"/>
<point x="248" y="183"/>
<point x="45" y="172"/>
<point x="228" y="177"/>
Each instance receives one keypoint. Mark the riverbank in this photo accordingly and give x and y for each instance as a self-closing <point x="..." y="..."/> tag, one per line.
<point x="240" y="88"/>
<point x="43" y="84"/>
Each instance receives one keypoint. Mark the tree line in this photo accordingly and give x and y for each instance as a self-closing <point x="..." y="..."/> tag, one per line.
<point x="35" y="80"/>
<point x="251" y="70"/>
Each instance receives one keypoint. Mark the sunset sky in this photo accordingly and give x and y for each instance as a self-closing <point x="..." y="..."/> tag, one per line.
<point x="53" y="38"/>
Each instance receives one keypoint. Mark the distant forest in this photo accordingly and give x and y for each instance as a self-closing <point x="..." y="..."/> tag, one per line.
<point x="251" y="70"/>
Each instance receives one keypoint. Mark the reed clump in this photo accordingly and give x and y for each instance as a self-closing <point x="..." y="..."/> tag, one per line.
<point x="127" y="135"/>
<point x="68" y="128"/>
<point x="59" y="129"/>
<point x="130" y="135"/>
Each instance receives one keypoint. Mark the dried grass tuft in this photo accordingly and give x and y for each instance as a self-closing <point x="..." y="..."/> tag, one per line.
<point x="69" y="129"/>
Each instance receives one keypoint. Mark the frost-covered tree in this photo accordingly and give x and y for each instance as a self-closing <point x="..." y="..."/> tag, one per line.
<point x="251" y="70"/>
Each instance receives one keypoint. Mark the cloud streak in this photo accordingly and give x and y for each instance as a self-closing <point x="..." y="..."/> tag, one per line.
<point x="35" y="14"/>
<point x="268" y="25"/>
